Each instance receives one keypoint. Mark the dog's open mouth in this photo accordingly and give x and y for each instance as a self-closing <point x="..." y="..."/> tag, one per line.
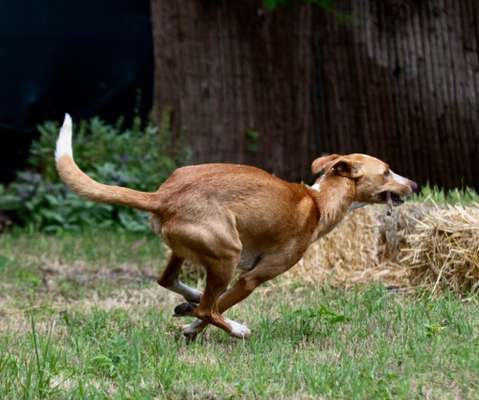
<point x="392" y="198"/>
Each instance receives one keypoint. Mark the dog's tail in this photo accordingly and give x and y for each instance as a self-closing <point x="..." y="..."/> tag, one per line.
<point x="83" y="185"/>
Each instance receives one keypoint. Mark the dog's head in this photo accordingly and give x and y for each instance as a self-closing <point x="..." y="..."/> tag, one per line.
<point x="374" y="181"/>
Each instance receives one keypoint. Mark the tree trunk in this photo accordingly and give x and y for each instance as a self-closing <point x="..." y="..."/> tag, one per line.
<point x="399" y="79"/>
<point x="236" y="79"/>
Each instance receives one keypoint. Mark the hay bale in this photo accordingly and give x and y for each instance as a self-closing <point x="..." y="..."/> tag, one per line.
<point x="343" y="255"/>
<point x="418" y="245"/>
<point x="443" y="250"/>
<point x="396" y="227"/>
<point x="365" y="247"/>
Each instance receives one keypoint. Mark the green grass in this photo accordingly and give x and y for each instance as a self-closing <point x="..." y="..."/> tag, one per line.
<point x="440" y="196"/>
<point x="307" y="342"/>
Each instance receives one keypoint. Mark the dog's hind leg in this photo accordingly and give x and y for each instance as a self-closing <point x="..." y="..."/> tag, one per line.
<point x="242" y="289"/>
<point x="169" y="280"/>
<point x="218" y="278"/>
<point x="245" y="285"/>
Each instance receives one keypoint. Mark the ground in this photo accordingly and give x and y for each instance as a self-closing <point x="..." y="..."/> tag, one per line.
<point x="81" y="317"/>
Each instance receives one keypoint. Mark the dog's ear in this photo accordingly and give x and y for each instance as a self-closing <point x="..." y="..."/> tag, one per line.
<point x="347" y="168"/>
<point x="321" y="164"/>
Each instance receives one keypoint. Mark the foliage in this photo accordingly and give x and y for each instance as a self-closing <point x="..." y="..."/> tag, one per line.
<point x="441" y="196"/>
<point x="139" y="158"/>
<point x="252" y="141"/>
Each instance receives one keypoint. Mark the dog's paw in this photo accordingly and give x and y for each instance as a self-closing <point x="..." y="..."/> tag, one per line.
<point x="190" y="336"/>
<point x="192" y="328"/>
<point x="191" y="331"/>
<point x="184" y="309"/>
<point x="238" y="330"/>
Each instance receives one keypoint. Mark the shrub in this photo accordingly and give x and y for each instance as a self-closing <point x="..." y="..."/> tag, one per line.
<point x="140" y="157"/>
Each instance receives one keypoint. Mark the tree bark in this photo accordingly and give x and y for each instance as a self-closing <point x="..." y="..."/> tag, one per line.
<point x="399" y="79"/>
<point x="236" y="79"/>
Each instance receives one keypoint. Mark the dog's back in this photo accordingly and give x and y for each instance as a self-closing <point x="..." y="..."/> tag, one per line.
<point x="263" y="205"/>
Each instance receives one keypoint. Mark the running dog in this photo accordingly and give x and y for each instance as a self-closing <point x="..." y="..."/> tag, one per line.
<point x="229" y="216"/>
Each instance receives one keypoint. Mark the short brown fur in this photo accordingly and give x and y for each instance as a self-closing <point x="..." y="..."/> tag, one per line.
<point x="225" y="216"/>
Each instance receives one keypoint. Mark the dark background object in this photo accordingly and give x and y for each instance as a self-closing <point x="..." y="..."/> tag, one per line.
<point x="397" y="79"/>
<point x="400" y="80"/>
<point x="83" y="57"/>
<point x="237" y="81"/>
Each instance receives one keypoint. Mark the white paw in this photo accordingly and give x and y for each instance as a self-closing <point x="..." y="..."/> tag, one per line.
<point x="192" y="328"/>
<point x="238" y="330"/>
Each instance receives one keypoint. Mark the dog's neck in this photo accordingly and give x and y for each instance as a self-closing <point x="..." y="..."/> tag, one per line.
<point x="334" y="197"/>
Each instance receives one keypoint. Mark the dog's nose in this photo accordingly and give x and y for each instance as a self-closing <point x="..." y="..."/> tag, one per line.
<point x="415" y="187"/>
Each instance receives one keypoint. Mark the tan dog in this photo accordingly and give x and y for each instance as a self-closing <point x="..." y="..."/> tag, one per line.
<point x="228" y="216"/>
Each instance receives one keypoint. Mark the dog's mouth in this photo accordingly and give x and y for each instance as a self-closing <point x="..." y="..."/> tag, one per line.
<point x="391" y="198"/>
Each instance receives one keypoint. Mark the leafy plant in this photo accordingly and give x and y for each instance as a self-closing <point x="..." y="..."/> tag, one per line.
<point x="140" y="157"/>
<point x="252" y="141"/>
<point x="441" y="196"/>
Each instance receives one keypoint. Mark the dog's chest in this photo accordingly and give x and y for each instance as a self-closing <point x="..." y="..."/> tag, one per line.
<point x="155" y="224"/>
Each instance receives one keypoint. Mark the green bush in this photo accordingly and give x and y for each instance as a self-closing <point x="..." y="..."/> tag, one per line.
<point x="140" y="157"/>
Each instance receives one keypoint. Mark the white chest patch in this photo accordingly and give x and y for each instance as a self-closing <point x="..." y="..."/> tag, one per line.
<point x="356" y="204"/>
<point x="155" y="224"/>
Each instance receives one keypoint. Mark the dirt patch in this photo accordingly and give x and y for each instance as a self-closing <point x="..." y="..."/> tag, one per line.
<point x="16" y="318"/>
<point x="86" y="274"/>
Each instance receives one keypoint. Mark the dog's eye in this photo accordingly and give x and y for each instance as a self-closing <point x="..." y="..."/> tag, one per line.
<point x="387" y="173"/>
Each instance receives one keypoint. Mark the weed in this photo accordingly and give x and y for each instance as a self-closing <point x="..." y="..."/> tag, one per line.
<point x="140" y="157"/>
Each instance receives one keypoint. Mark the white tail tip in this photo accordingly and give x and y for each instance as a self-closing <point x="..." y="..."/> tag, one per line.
<point x="64" y="141"/>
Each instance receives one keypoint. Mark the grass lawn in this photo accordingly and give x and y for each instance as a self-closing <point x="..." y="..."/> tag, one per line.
<point x="81" y="317"/>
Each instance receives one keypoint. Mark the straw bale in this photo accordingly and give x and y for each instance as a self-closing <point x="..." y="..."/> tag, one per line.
<point x="443" y="250"/>
<point x="365" y="247"/>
